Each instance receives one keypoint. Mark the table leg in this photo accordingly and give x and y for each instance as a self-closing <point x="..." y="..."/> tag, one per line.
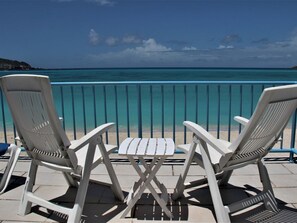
<point x="151" y="175"/>
<point x="148" y="169"/>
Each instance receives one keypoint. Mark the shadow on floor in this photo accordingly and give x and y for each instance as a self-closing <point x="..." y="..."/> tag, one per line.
<point x="261" y="215"/>
<point x="100" y="205"/>
<point x="147" y="208"/>
<point x="230" y="194"/>
<point x="15" y="181"/>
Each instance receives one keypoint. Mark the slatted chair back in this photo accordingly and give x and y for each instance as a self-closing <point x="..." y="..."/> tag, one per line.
<point x="271" y="116"/>
<point x="30" y="100"/>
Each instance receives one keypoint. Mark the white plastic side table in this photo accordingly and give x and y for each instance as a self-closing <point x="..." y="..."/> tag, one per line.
<point x="156" y="148"/>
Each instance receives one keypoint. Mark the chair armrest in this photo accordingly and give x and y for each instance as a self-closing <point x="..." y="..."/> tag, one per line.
<point x="207" y="137"/>
<point x="241" y="120"/>
<point x="77" y="144"/>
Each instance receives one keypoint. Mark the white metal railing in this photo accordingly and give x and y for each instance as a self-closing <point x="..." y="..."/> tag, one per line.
<point x="156" y="108"/>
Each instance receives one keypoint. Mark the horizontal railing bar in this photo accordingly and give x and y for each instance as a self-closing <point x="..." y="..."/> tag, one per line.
<point x="284" y="150"/>
<point x="171" y="82"/>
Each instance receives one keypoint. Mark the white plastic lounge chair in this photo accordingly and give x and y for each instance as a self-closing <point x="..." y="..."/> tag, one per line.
<point x="219" y="158"/>
<point x="14" y="152"/>
<point x="31" y="104"/>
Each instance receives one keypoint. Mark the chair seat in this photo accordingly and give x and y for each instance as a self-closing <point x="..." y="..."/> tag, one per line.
<point x="81" y="154"/>
<point x="215" y="156"/>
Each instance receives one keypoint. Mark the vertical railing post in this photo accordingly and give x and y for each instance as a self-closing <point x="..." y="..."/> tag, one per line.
<point x="62" y="106"/>
<point x="293" y="134"/>
<point x="14" y="134"/>
<point x="207" y="107"/>
<point x="229" y="114"/>
<point x="73" y="113"/>
<point x="252" y="100"/>
<point x="94" y="108"/>
<point x="219" y="111"/>
<point x="128" y="112"/>
<point x="240" y="104"/>
<point x="117" y="113"/>
<point x="152" y="111"/>
<point x="105" y="110"/>
<point x="196" y="103"/>
<point x="139" y="111"/>
<point x="3" y="118"/>
<point x="185" y="113"/>
<point x="174" y="111"/>
<point x="162" y="95"/>
<point x="84" y="109"/>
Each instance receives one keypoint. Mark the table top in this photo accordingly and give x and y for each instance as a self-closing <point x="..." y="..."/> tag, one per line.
<point x="147" y="147"/>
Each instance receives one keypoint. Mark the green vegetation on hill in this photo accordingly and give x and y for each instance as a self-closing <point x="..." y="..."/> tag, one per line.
<point x="6" y="64"/>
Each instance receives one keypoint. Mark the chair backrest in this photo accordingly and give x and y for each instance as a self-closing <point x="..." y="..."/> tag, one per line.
<point x="31" y="104"/>
<point x="273" y="111"/>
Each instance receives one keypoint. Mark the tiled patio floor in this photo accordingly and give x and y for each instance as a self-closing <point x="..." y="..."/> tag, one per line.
<point x="195" y="206"/>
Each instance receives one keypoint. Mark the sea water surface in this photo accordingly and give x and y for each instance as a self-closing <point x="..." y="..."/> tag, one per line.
<point x="171" y="104"/>
<point x="164" y="74"/>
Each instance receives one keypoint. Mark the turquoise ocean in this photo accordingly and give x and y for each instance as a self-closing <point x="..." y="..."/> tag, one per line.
<point x="199" y="106"/>
<point x="165" y="74"/>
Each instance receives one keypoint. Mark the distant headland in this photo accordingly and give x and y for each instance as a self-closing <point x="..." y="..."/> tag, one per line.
<point x="6" y="64"/>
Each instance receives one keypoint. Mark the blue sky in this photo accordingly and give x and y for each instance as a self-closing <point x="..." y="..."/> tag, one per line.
<point x="149" y="33"/>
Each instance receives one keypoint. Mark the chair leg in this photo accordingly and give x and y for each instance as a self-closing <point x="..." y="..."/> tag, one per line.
<point x="221" y="212"/>
<point x="115" y="186"/>
<point x="25" y="205"/>
<point x="9" y="168"/>
<point x="180" y="185"/>
<point x="269" y="201"/>
<point x="76" y="212"/>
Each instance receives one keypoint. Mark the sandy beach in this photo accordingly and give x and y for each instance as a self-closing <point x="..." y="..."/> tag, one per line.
<point x="179" y="136"/>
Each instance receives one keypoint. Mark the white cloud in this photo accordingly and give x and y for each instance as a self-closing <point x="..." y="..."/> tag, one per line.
<point x="225" y="47"/>
<point x="283" y="46"/>
<point x="99" y="2"/>
<point x="270" y="57"/>
<point x="151" y="45"/>
<point x="111" y="41"/>
<point x="131" y="39"/>
<point x="63" y="0"/>
<point x="151" y="53"/>
<point x="93" y="37"/>
<point x="103" y="2"/>
<point x="186" y="48"/>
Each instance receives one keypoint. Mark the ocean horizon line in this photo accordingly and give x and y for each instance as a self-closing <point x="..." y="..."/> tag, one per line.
<point x="161" y="68"/>
<point x="152" y="68"/>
